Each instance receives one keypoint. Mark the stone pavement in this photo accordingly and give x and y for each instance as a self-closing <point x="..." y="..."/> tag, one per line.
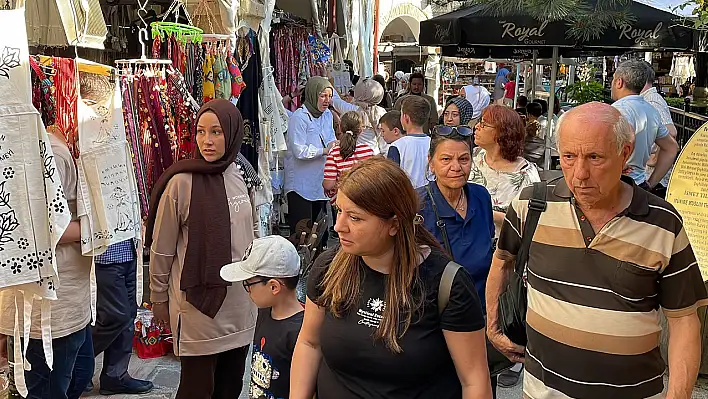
<point x="164" y="373"/>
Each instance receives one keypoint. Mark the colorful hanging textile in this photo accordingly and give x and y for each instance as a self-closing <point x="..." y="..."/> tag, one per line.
<point x="184" y="115"/>
<point x="208" y="77"/>
<point x="158" y="124"/>
<point x="222" y="78"/>
<point x="237" y="83"/>
<point x="67" y="98"/>
<point x="43" y="93"/>
<point x="248" y="58"/>
<point x="130" y="115"/>
<point x="198" y="75"/>
<point x="295" y="60"/>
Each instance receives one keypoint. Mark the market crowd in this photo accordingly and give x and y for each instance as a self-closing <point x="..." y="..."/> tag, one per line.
<point x="438" y="217"/>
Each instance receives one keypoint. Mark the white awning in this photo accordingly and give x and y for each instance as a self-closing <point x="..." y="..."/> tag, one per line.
<point x="65" y="23"/>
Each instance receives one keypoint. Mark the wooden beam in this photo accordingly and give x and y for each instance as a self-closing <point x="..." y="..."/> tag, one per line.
<point x="332" y="25"/>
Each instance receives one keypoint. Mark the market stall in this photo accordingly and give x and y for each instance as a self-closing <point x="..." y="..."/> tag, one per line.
<point x="472" y="27"/>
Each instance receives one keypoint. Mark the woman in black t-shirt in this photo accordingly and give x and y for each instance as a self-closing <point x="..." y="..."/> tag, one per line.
<point x="372" y="328"/>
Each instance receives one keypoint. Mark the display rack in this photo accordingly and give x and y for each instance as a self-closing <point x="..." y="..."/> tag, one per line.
<point x="466" y="72"/>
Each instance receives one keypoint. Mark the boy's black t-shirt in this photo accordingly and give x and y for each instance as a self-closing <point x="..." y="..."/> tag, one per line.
<point x="273" y="346"/>
<point x="354" y="365"/>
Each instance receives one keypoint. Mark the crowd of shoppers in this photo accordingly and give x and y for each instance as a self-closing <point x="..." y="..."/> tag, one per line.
<point x="430" y="218"/>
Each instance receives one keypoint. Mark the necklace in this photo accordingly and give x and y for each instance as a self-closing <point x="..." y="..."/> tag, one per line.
<point x="460" y="206"/>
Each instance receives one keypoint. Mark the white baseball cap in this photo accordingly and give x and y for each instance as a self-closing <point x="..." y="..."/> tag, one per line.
<point x="272" y="256"/>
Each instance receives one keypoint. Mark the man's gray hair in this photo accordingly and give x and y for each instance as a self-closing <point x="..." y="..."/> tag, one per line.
<point x="633" y="73"/>
<point x="623" y="132"/>
<point x="651" y="75"/>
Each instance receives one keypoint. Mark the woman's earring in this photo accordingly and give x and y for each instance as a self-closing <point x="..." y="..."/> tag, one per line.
<point x="429" y="174"/>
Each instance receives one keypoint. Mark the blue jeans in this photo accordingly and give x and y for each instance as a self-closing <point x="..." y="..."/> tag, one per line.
<point x="116" y="309"/>
<point x="72" y="369"/>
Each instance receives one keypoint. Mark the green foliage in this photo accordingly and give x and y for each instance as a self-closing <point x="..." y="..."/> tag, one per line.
<point x="675" y="102"/>
<point x="585" y="92"/>
<point x="699" y="11"/>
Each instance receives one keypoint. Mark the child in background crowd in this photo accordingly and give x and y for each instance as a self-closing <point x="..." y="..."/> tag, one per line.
<point x="269" y="273"/>
<point x="521" y="103"/>
<point x="534" y="144"/>
<point x="346" y="154"/>
<point x="509" y="90"/>
<point x="410" y="152"/>
<point x="390" y="127"/>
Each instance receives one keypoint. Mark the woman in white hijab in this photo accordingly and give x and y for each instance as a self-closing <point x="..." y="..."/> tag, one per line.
<point x="368" y="93"/>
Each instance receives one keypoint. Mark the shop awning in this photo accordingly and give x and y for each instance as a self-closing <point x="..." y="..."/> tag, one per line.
<point x="653" y="29"/>
<point x="59" y="23"/>
<point x="521" y="53"/>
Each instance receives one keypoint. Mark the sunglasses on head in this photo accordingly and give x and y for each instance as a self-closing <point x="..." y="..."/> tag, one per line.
<point x="464" y="131"/>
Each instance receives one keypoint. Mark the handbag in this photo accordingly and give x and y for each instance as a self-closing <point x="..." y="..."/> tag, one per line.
<point x="339" y="69"/>
<point x="497" y="362"/>
<point x="513" y="301"/>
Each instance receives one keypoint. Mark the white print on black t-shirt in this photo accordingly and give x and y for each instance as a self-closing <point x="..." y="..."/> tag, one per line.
<point x="262" y="372"/>
<point x="372" y="318"/>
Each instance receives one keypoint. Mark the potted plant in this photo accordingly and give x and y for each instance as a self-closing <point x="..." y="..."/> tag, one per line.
<point x="587" y="89"/>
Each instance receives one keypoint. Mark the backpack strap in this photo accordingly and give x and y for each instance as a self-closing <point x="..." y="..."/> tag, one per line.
<point x="537" y="205"/>
<point x="445" y="287"/>
<point x="439" y="222"/>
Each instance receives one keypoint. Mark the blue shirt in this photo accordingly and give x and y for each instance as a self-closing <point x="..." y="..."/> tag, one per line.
<point x="120" y="252"/>
<point x="470" y="238"/>
<point x="647" y="125"/>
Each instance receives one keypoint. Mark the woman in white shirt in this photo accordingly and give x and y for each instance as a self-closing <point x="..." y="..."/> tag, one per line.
<point x="310" y="137"/>
<point x="368" y="93"/>
<point x="497" y="162"/>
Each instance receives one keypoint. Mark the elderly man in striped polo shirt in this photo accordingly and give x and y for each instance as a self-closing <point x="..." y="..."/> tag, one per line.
<point x="605" y="259"/>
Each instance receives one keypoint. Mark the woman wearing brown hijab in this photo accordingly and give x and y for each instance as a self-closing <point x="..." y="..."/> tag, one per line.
<point x="200" y="220"/>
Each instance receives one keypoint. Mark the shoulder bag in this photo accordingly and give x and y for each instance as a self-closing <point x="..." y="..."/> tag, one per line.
<point x="497" y="362"/>
<point x="513" y="301"/>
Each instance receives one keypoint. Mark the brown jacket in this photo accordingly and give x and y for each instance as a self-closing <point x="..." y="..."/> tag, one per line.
<point x="194" y="333"/>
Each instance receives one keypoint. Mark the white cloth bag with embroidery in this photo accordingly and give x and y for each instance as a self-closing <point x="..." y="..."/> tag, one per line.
<point x="107" y="198"/>
<point x="33" y="211"/>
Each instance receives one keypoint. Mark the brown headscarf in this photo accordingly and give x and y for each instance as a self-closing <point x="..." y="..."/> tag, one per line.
<point x="209" y="241"/>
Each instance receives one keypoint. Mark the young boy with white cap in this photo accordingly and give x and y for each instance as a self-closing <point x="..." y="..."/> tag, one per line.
<point x="269" y="272"/>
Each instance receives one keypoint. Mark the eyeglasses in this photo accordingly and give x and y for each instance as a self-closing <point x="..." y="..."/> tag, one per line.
<point x="484" y="124"/>
<point x="247" y="285"/>
<point x="445" y="131"/>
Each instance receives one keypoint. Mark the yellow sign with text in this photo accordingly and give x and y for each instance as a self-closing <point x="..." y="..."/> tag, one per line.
<point x="688" y="192"/>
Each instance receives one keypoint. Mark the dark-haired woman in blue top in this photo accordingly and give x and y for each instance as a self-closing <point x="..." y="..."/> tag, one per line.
<point x="457" y="211"/>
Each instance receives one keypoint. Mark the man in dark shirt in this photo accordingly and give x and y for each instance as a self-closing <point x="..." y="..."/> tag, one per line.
<point x="416" y="87"/>
<point x="269" y="272"/>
